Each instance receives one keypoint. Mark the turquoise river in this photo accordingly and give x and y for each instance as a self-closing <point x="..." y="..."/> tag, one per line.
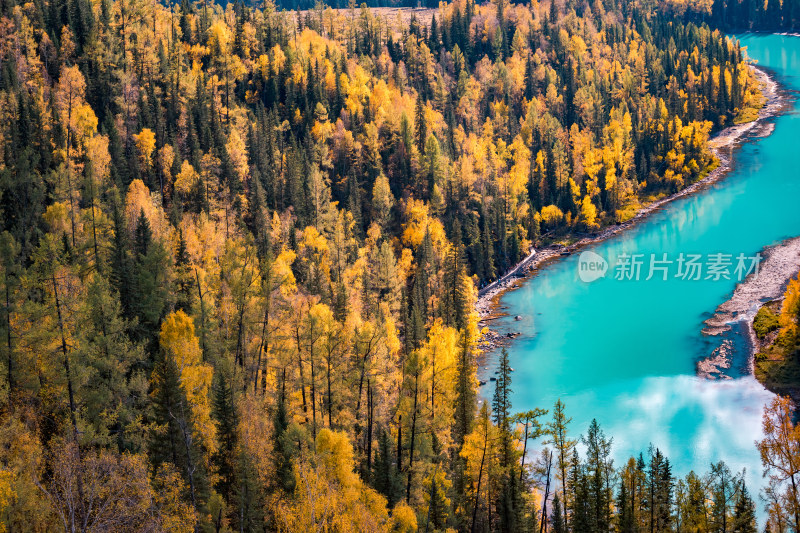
<point x="624" y="352"/>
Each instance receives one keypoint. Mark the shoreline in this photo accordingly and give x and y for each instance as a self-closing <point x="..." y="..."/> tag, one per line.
<point x="722" y="145"/>
<point x="780" y="264"/>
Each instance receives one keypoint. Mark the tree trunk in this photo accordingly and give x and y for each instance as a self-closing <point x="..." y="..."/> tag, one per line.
<point x="70" y="392"/>
<point x="524" y="450"/>
<point x="262" y="349"/>
<point x="400" y="443"/>
<point x="313" y="382"/>
<point x="330" y="395"/>
<point x="795" y="510"/>
<point x="202" y="316"/>
<point x="413" y="435"/>
<point x="480" y="477"/>
<point x="69" y="166"/>
<point x="8" y="345"/>
<point x="300" y="367"/>
<point x="543" y="523"/>
<point x="370" y="406"/>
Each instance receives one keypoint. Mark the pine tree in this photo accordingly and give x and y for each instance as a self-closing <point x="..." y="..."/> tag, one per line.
<point x="658" y="496"/>
<point x="724" y="486"/>
<point x="744" y="512"/>
<point x="249" y="501"/>
<point x="599" y="470"/>
<point x="465" y="391"/>
<point x="437" y="506"/>
<point x="384" y="474"/>
<point x="564" y="446"/>
<point x="501" y="400"/>
<point x="421" y="125"/>
<point x="110" y="361"/>
<point x="224" y="411"/>
<point x="582" y="516"/>
<point x="556" y="518"/>
<point x="284" y="476"/>
<point x="625" y="521"/>
<point x="174" y="443"/>
<point x="463" y="419"/>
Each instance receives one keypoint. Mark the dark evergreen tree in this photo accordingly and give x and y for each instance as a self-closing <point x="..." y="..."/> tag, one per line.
<point x="557" y="518"/>
<point x="225" y="458"/>
<point x="384" y="475"/>
<point x="744" y="512"/>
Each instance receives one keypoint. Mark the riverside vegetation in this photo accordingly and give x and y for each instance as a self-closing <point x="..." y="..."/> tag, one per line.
<point x="775" y="325"/>
<point x="240" y="249"/>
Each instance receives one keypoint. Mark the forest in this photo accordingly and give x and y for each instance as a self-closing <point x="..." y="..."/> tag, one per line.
<point x="240" y="249"/>
<point x="742" y="15"/>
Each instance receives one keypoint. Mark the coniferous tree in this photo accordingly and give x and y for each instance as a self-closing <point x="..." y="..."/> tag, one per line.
<point x="744" y="512"/>
<point x="556" y="518"/>
<point x="225" y="459"/>
<point x="384" y="474"/>
<point x="564" y="446"/>
<point x="625" y="521"/>
<point x="599" y="471"/>
<point x="284" y="477"/>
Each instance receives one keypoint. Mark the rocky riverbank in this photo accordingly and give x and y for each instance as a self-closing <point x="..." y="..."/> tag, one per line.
<point x="780" y="263"/>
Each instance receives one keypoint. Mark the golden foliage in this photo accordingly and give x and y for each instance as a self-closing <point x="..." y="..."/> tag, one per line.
<point x="178" y="340"/>
<point x="329" y="495"/>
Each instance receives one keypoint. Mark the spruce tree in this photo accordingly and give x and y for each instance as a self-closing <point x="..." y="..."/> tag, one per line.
<point x="225" y="458"/>
<point x="598" y="449"/>
<point x="384" y="474"/>
<point x="744" y="512"/>
<point x="557" y="518"/>
<point x="625" y="521"/>
<point x="284" y="476"/>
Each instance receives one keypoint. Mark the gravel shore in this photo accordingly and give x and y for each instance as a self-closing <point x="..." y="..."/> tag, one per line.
<point x="780" y="263"/>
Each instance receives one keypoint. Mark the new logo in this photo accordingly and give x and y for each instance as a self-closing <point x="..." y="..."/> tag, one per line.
<point x="591" y="266"/>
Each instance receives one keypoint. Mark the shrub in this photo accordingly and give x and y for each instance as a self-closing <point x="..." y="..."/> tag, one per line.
<point x="765" y="322"/>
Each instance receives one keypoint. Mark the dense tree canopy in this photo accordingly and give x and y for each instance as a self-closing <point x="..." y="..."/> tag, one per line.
<point x="240" y="250"/>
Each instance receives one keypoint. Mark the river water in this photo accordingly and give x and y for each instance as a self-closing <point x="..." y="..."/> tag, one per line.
<point x="624" y="351"/>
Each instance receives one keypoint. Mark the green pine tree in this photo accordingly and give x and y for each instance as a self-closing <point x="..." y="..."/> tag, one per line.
<point x="744" y="512"/>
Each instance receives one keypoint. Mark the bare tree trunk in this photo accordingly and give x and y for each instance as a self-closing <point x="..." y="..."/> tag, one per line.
<point x="313" y="381"/>
<point x="262" y="348"/>
<point x="543" y="523"/>
<point x="187" y="441"/>
<point x="330" y="396"/>
<point x="480" y="477"/>
<point x="8" y="345"/>
<point x="69" y="166"/>
<point x="524" y="450"/>
<point x="94" y="226"/>
<point x="370" y="406"/>
<point x="795" y="506"/>
<point x="300" y="367"/>
<point x="413" y="435"/>
<point x="364" y="359"/>
<point x="202" y="316"/>
<point x="70" y="392"/>
<point x="400" y="443"/>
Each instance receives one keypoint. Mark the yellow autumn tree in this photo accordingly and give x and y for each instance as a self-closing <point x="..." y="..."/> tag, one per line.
<point x="178" y="340"/>
<point x="789" y="310"/>
<point x="329" y="495"/>
<point x="140" y="200"/>
<point x="186" y="179"/>
<point x="551" y="215"/>
<point x="588" y="212"/>
<point x="6" y="493"/>
<point x="145" y="144"/>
